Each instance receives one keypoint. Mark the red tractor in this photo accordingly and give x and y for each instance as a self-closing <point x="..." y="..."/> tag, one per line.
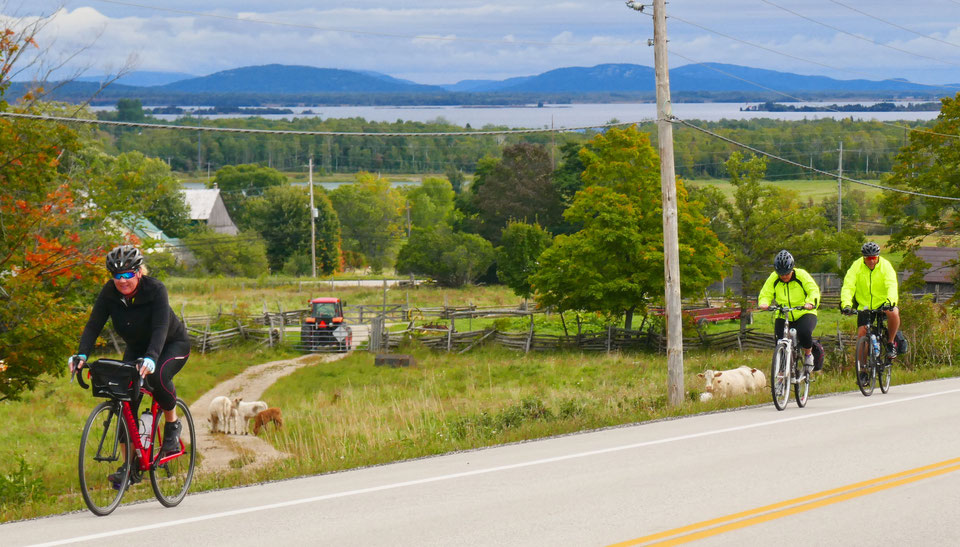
<point x="323" y="327"/>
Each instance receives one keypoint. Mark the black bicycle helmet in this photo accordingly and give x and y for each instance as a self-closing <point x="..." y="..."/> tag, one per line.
<point x="124" y="258"/>
<point x="783" y="262"/>
<point x="870" y="249"/>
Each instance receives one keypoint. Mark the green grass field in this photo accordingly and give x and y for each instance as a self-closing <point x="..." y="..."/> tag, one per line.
<point x="350" y="413"/>
<point x="804" y="189"/>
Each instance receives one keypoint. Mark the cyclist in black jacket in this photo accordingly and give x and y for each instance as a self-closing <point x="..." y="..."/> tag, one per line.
<point x="141" y="315"/>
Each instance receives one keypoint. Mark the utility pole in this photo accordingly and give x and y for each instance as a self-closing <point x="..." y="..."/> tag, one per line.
<point x="553" y="145"/>
<point x="313" y="223"/>
<point x="409" y="228"/>
<point x="840" y="188"/>
<point x="840" y="202"/>
<point x="199" y="134"/>
<point x="668" y="188"/>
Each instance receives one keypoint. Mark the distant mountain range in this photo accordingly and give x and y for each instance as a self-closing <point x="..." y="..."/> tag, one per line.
<point x="285" y="84"/>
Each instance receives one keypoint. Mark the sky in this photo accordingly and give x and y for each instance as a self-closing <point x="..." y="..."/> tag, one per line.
<point x="442" y="42"/>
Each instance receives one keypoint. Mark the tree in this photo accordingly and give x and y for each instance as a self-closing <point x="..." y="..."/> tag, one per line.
<point x="130" y="110"/>
<point x="519" y="187"/>
<point x="761" y="220"/>
<point x="567" y="182"/>
<point x="370" y="221"/>
<point x="614" y="264"/>
<point x="242" y="255"/>
<point x="282" y="217"/>
<point x="238" y="182"/>
<point x="456" y="178"/>
<point x="48" y="264"/>
<point x="453" y="259"/>
<point x="123" y="189"/>
<point x="927" y="164"/>
<point x="521" y="247"/>
<point x="431" y="203"/>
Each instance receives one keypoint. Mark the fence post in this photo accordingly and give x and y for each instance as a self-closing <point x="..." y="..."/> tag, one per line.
<point x="529" y="336"/>
<point x="608" y="337"/>
<point x="206" y="333"/>
<point x="450" y="335"/>
<point x="376" y="333"/>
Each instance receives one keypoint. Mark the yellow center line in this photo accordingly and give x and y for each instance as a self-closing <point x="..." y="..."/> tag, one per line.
<point x="793" y="506"/>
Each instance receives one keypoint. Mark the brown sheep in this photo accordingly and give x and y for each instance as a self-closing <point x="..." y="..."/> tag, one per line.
<point x="263" y="418"/>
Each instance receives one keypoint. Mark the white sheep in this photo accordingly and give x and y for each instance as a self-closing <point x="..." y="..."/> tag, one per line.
<point x="247" y="411"/>
<point x="727" y="383"/>
<point x="223" y="411"/>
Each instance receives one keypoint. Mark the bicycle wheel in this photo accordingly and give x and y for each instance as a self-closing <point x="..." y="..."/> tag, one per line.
<point x="801" y="389"/>
<point x="171" y="479"/>
<point x="884" y="373"/>
<point x="101" y="453"/>
<point x="865" y="370"/>
<point x="780" y="377"/>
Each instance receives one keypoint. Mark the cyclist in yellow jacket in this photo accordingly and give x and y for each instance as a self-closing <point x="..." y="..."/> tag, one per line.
<point x="793" y="288"/>
<point x="871" y="281"/>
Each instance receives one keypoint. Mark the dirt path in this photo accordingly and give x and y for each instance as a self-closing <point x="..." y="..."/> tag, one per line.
<point x="217" y="449"/>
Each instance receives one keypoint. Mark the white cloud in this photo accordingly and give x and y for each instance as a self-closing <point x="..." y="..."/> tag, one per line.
<point x="499" y="38"/>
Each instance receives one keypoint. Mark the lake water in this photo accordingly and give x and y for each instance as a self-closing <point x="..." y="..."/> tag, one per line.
<point x="576" y="115"/>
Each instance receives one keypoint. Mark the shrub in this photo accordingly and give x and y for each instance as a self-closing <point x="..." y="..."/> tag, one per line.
<point x="931" y="330"/>
<point x="21" y="485"/>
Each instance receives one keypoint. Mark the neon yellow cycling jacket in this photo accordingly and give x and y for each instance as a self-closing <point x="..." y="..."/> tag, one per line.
<point x="871" y="288"/>
<point x="800" y="290"/>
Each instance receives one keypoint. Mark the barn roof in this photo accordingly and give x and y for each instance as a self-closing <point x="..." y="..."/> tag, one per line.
<point x="200" y="201"/>
<point x="939" y="258"/>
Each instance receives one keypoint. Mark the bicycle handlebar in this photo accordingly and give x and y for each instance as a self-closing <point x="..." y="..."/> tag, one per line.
<point x="77" y="372"/>
<point x="136" y="364"/>
<point x="775" y="307"/>
<point x="853" y="311"/>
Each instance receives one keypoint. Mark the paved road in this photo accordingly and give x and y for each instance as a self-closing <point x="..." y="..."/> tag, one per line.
<point x="846" y="470"/>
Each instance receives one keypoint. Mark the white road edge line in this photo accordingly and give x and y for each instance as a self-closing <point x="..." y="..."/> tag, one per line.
<point x="451" y="476"/>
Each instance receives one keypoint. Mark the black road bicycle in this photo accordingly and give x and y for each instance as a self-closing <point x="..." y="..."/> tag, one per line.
<point x="873" y="361"/>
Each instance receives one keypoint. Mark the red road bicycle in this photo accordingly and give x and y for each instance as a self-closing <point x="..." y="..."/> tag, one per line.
<point x="104" y="445"/>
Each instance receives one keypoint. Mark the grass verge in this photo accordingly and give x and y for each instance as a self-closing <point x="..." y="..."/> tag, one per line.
<point x="350" y="413"/>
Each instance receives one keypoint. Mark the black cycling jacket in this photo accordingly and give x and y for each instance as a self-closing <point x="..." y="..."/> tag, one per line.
<point x="145" y="322"/>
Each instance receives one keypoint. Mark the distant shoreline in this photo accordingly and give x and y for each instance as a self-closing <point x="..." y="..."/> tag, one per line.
<point x="770" y="106"/>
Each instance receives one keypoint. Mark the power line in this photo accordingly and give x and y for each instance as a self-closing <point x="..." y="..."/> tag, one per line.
<point x="675" y="119"/>
<point x="858" y="37"/>
<point x="63" y="119"/>
<point x="892" y="24"/>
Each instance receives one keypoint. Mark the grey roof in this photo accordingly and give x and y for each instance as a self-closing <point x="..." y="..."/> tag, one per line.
<point x="938" y="258"/>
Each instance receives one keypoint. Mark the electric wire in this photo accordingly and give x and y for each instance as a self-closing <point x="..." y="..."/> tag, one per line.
<point x="63" y="119"/>
<point x="764" y="153"/>
<point x="789" y="96"/>
<point x="895" y="25"/>
<point x="858" y="37"/>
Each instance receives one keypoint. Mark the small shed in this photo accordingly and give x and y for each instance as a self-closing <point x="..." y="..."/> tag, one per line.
<point x="206" y="206"/>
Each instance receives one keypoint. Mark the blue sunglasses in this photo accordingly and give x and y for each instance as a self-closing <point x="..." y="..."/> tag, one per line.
<point x="124" y="275"/>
